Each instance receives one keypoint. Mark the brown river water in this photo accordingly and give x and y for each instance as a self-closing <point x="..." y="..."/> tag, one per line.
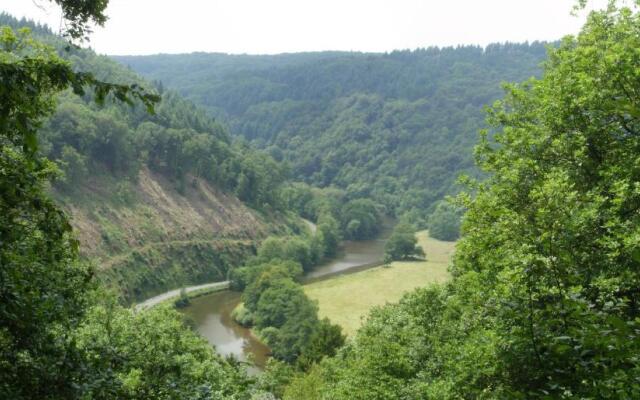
<point x="211" y="314"/>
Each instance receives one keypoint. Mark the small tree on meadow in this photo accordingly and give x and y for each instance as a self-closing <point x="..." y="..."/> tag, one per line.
<point x="402" y="244"/>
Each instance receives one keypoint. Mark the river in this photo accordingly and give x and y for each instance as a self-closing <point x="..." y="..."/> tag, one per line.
<point x="211" y="314"/>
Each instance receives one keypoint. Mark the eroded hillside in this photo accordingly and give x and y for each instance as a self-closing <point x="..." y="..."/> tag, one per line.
<point x="145" y="236"/>
<point x="159" y="197"/>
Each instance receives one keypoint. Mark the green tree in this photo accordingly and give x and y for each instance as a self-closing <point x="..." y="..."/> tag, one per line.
<point x="150" y="354"/>
<point x="275" y="378"/>
<point x="317" y="248"/>
<point x="324" y="342"/>
<point x="286" y="248"/>
<point x="286" y="318"/>
<point x="279" y="303"/>
<point x="57" y="341"/>
<point x="397" y="127"/>
<point x="297" y="196"/>
<point x="543" y="303"/>
<point x="37" y="251"/>
<point x="264" y="279"/>
<point x="42" y="285"/>
<point x="360" y="219"/>
<point x="331" y="234"/>
<point x="402" y="244"/>
<point x="444" y="222"/>
<point x="553" y="231"/>
<point x="244" y="276"/>
<point x="74" y="166"/>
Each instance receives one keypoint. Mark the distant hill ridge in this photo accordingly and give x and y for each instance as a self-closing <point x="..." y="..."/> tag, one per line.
<point x="398" y="126"/>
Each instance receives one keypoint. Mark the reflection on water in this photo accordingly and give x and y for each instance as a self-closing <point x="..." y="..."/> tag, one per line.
<point x="354" y="254"/>
<point x="212" y="313"/>
<point x="212" y="317"/>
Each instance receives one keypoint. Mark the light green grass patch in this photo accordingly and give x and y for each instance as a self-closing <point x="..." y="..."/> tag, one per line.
<point x="347" y="299"/>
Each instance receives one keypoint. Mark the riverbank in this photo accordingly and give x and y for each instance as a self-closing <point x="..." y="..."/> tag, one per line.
<point x="210" y="314"/>
<point x="198" y="290"/>
<point x="347" y="296"/>
<point x="347" y="299"/>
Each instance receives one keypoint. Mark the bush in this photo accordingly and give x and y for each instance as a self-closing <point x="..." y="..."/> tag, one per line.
<point x="325" y="341"/>
<point x="242" y="316"/>
<point x="402" y="244"/>
<point x="244" y="276"/>
<point x="331" y="235"/>
<point x="183" y="300"/>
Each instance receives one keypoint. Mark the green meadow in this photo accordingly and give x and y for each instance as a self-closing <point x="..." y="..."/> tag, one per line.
<point x="347" y="299"/>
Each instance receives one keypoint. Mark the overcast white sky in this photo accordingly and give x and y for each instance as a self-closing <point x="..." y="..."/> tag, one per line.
<point x="276" y="26"/>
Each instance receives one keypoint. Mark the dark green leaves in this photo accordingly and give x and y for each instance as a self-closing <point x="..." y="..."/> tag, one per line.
<point x="544" y="303"/>
<point x="78" y="14"/>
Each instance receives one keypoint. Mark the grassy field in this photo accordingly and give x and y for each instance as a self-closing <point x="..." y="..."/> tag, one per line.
<point x="347" y="299"/>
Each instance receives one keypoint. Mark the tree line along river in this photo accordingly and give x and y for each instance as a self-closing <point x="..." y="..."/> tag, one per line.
<point x="211" y="314"/>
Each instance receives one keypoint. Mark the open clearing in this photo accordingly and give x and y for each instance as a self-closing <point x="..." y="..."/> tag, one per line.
<point x="347" y="299"/>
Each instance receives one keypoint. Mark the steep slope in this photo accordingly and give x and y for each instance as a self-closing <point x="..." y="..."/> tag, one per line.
<point x="157" y="200"/>
<point x="147" y="237"/>
<point x="398" y="127"/>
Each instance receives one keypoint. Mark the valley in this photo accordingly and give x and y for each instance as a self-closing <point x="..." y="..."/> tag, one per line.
<point x="346" y="289"/>
<point x="396" y="127"/>
<point x="440" y="222"/>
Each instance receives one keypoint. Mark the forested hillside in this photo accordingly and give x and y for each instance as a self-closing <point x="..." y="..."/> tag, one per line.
<point x="544" y="299"/>
<point x="397" y="127"/>
<point x="160" y="200"/>
<point x="543" y="296"/>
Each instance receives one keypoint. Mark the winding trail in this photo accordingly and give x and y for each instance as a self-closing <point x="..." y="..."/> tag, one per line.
<point x="153" y="301"/>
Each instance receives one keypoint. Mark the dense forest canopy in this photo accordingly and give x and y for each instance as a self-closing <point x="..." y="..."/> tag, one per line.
<point x="74" y="139"/>
<point x="544" y="297"/>
<point x="396" y="127"/>
<point x="178" y="139"/>
<point x="61" y="335"/>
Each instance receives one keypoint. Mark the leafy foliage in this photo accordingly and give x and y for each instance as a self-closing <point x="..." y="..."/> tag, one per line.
<point x="151" y="354"/>
<point x="42" y="287"/>
<point x="90" y="137"/>
<point x="277" y="307"/>
<point x="287" y="320"/>
<point x="56" y="340"/>
<point x="360" y="219"/>
<point x="78" y="14"/>
<point x="544" y="300"/>
<point x="286" y="248"/>
<point x="402" y="244"/>
<point x="444" y="222"/>
<point x="397" y="127"/>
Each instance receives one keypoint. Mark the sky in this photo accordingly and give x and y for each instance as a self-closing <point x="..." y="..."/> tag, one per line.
<point x="285" y="26"/>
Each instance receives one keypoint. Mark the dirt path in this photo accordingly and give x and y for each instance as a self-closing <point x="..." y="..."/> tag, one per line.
<point x="176" y="292"/>
<point x="153" y="301"/>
